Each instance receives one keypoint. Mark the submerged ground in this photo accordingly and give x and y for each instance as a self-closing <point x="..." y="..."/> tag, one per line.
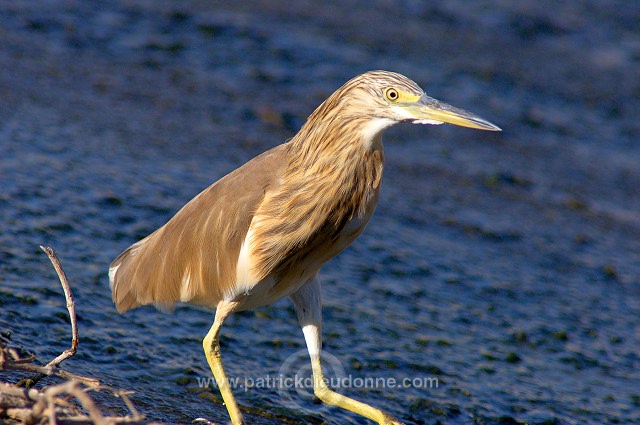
<point x="504" y="266"/>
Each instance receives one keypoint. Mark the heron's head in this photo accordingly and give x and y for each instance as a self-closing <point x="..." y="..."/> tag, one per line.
<point x="368" y="104"/>
<point x="382" y="99"/>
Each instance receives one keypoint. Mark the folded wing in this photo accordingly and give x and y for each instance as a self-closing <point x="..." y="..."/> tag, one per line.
<point x="193" y="257"/>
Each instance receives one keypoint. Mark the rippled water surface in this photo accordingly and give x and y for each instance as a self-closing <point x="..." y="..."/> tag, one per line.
<point x="504" y="266"/>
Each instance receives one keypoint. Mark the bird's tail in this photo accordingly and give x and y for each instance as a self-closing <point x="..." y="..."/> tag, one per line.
<point x="122" y="292"/>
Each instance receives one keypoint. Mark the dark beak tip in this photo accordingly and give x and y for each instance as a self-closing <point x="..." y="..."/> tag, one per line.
<point x="487" y="125"/>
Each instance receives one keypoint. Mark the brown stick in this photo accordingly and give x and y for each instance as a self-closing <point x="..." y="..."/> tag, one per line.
<point x="43" y="371"/>
<point x="33" y="406"/>
<point x="72" y="388"/>
<point x="71" y="307"/>
<point x="124" y="396"/>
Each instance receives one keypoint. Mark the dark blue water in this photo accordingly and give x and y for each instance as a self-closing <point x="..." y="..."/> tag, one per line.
<point x="504" y="266"/>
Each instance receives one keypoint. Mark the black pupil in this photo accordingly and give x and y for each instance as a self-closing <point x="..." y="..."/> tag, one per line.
<point x="393" y="94"/>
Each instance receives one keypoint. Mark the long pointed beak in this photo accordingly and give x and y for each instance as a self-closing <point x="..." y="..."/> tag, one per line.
<point x="428" y="110"/>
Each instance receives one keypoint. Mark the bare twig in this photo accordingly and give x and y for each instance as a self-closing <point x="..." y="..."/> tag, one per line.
<point x="72" y="388"/>
<point x="11" y="390"/>
<point x="21" y="414"/>
<point x="43" y="371"/>
<point x="71" y="306"/>
<point x="124" y="395"/>
<point x="54" y="404"/>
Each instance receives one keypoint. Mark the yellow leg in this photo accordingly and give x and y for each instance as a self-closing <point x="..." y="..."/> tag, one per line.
<point x="308" y="304"/>
<point x="331" y="397"/>
<point x="212" y="351"/>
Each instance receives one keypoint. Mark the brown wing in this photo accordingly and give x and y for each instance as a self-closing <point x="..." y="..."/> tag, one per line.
<point x="193" y="257"/>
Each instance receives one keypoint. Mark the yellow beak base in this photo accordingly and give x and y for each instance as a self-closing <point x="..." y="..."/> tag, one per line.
<point x="428" y="110"/>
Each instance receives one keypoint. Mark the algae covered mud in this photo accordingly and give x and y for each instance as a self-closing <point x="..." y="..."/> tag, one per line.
<point x="501" y="267"/>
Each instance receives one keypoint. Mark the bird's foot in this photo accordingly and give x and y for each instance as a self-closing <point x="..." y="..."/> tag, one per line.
<point x="389" y="420"/>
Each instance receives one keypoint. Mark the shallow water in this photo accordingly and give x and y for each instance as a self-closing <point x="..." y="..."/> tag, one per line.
<point x="503" y="265"/>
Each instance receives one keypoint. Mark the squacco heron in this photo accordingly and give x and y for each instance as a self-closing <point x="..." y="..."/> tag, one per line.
<point x="263" y="231"/>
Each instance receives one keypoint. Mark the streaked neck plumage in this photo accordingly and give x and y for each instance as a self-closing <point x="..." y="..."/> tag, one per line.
<point x="331" y="183"/>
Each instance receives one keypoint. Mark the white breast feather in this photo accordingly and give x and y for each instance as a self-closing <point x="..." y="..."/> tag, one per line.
<point x="244" y="278"/>
<point x="112" y="275"/>
<point x="186" y="290"/>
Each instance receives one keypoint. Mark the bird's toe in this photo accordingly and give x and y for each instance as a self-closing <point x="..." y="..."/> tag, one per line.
<point x="388" y="420"/>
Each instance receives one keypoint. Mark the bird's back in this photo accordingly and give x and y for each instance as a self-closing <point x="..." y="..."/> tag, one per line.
<point x="193" y="257"/>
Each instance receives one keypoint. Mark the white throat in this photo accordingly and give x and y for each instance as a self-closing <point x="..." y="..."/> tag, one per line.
<point x="373" y="130"/>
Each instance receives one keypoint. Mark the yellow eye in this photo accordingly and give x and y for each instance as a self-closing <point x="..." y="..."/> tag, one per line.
<point x="392" y="95"/>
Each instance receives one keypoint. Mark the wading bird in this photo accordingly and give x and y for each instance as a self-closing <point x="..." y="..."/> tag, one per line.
<point x="263" y="231"/>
